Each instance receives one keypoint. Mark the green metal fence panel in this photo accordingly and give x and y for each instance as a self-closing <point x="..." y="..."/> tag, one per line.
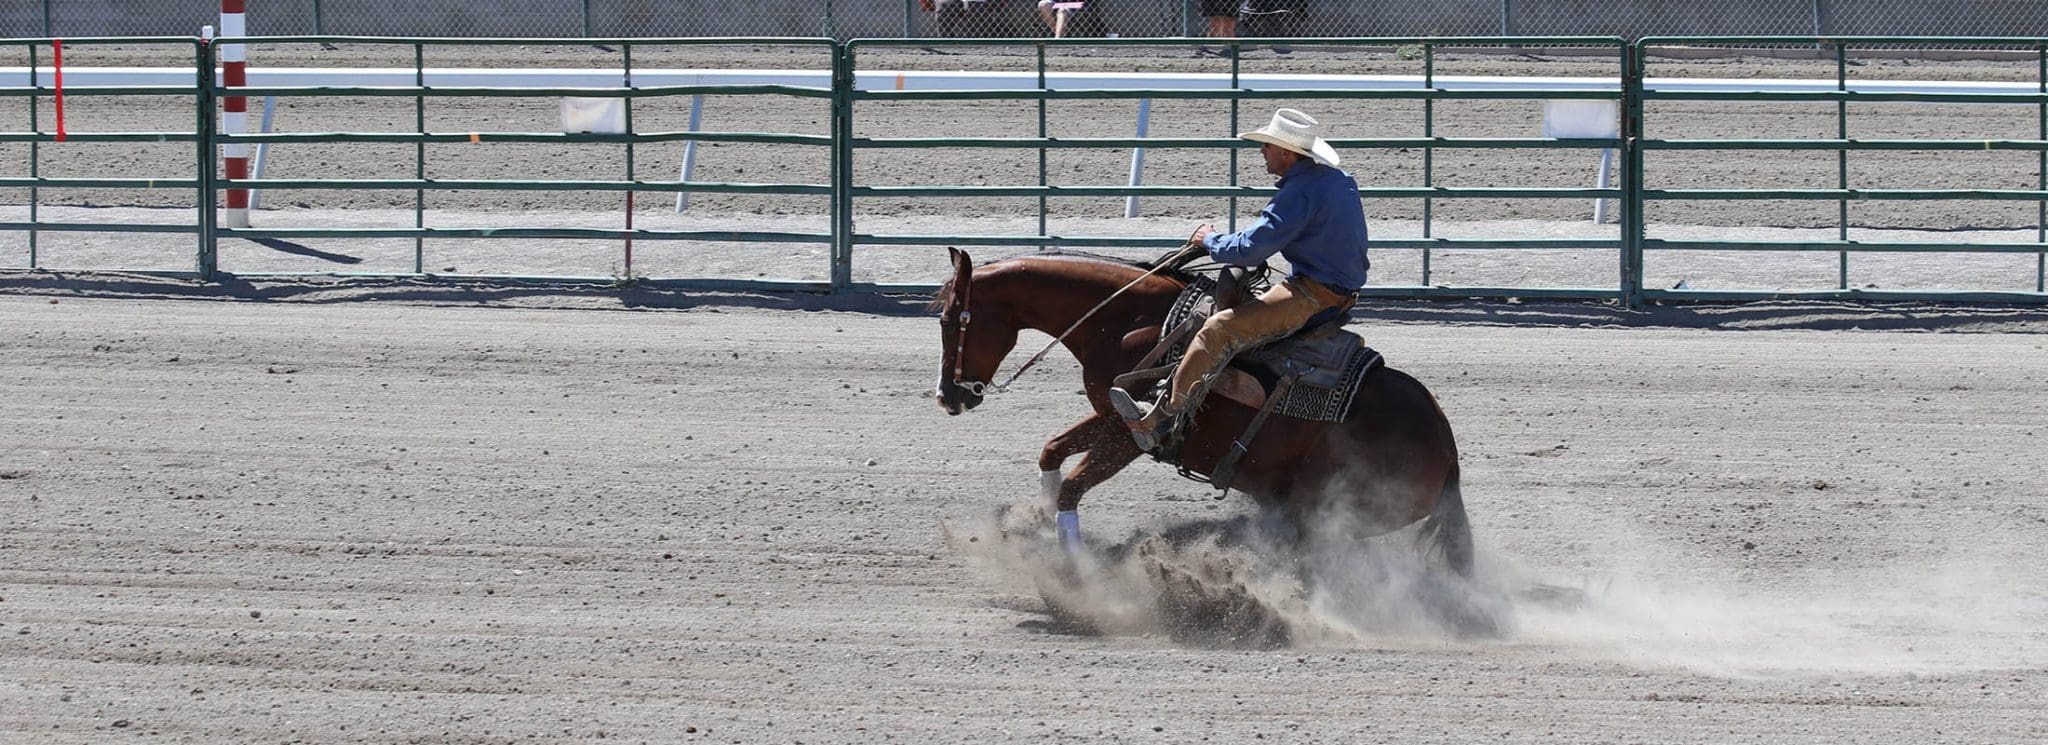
<point x="1230" y="91"/>
<point x="638" y="61"/>
<point x="1846" y="91"/>
<point x="52" y="139"/>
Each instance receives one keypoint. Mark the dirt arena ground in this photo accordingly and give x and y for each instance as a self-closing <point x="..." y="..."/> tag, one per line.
<point x="428" y="512"/>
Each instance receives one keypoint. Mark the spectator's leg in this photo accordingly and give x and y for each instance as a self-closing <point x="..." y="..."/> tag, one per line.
<point x="1045" y="14"/>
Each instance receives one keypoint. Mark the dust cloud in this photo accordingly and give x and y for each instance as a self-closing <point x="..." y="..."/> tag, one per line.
<point x="1654" y="605"/>
<point x="1241" y="582"/>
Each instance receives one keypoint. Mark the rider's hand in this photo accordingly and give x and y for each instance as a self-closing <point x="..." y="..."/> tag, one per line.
<point x="1200" y="238"/>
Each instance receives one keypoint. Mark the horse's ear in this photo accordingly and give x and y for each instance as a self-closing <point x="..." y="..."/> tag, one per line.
<point x="963" y="266"/>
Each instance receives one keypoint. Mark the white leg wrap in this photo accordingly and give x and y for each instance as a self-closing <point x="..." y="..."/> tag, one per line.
<point x="1068" y="524"/>
<point x="1049" y="487"/>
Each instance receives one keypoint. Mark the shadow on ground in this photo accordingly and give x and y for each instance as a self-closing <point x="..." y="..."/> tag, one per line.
<point x="651" y="296"/>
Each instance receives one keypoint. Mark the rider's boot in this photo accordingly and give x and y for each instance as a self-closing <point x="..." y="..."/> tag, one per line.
<point x="1153" y="426"/>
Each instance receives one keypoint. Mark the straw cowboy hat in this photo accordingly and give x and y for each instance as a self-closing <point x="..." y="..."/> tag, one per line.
<point x="1295" y="131"/>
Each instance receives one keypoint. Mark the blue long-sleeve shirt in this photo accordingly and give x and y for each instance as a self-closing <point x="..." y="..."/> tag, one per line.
<point x="1315" y="222"/>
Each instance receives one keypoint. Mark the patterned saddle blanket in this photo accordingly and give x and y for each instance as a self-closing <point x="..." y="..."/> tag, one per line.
<point x="1332" y="363"/>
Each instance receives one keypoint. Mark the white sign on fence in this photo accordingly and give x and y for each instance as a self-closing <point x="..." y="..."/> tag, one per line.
<point x="594" y="115"/>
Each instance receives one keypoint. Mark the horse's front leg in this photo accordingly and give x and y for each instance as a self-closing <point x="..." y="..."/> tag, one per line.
<point x="1107" y="449"/>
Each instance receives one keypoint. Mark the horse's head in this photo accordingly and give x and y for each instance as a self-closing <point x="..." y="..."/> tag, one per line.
<point x="973" y="338"/>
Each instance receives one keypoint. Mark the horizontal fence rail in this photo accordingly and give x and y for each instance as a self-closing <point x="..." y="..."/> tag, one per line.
<point x="848" y="93"/>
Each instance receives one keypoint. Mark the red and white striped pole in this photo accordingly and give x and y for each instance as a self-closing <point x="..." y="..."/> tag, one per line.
<point x="234" y="68"/>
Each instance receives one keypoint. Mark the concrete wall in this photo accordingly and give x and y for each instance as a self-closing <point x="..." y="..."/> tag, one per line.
<point x="853" y="18"/>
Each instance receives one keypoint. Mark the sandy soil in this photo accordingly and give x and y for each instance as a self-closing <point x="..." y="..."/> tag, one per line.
<point x="499" y="514"/>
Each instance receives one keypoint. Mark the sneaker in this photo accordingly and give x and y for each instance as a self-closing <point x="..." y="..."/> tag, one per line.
<point x="1127" y="407"/>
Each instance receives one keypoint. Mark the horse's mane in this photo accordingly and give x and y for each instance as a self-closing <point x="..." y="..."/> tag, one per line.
<point x="945" y="293"/>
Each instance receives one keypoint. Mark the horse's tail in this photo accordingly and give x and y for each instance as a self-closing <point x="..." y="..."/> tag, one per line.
<point x="1448" y="528"/>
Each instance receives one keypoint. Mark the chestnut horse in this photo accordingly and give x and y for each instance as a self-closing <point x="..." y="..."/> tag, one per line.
<point x="1392" y="463"/>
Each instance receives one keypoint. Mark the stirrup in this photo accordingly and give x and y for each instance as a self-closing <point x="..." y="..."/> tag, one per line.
<point x="1158" y="440"/>
<point x="1163" y="442"/>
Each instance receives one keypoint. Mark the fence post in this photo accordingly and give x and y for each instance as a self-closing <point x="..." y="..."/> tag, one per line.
<point x="842" y="165"/>
<point x="35" y="159"/>
<point x="46" y="19"/>
<point x="1842" y="159"/>
<point x="1820" y="18"/>
<point x="909" y="19"/>
<point x="1632" y="224"/>
<point x="1188" y="19"/>
<point x="316" y="19"/>
<point x="208" y="260"/>
<point x="829" y="30"/>
<point x="586" y="19"/>
<point x="1507" y="18"/>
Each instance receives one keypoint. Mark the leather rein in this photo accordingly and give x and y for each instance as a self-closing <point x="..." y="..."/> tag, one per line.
<point x="980" y="388"/>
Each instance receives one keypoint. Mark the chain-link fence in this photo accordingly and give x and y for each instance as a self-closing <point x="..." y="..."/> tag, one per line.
<point x="1026" y="18"/>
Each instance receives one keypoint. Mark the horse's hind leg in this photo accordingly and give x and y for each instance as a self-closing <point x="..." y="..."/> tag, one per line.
<point x="1449" y="529"/>
<point x="1466" y="608"/>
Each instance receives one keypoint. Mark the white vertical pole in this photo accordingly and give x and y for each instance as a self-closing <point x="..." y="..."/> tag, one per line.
<point x="1600" y="182"/>
<point x="690" y="151"/>
<point x="263" y="150"/>
<point x="1138" y="156"/>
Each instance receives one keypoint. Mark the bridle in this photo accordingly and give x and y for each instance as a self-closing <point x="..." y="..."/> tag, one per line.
<point x="959" y="324"/>
<point x="983" y="389"/>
